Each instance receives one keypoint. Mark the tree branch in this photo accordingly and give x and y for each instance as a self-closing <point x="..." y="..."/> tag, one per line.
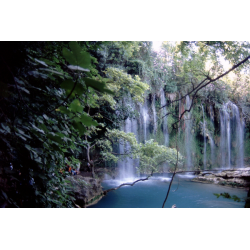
<point x="127" y="184"/>
<point x="176" y="164"/>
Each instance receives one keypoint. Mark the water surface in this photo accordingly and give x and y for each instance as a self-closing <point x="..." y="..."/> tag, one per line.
<point x="184" y="193"/>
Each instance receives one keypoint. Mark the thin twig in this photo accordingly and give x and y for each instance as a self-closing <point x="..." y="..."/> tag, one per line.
<point x="176" y="164"/>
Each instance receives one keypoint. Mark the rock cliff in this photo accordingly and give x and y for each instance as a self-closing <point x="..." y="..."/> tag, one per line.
<point x="86" y="190"/>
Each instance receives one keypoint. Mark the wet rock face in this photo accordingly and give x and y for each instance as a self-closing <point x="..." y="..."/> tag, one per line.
<point x="86" y="190"/>
<point x="236" y="178"/>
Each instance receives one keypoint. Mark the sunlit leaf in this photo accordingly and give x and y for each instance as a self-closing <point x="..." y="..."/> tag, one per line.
<point x="72" y="67"/>
<point x="41" y="62"/>
<point x="76" y="106"/>
<point x="63" y="110"/>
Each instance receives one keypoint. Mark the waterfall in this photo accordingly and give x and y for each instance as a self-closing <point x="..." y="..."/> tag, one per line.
<point x="165" y="119"/>
<point x="188" y="135"/>
<point x="204" y="135"/>
<point x="212" y="145"/>
<point x="225" y="148"/>
<point x="127" y="165"/>
<point x="144" y="118"/>
<point x="154" y="114"/>
<point x="231" y="146"/>
<point x="232" y="136"/>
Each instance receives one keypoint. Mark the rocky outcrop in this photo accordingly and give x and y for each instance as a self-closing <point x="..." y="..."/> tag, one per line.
<point x="87" y="190"/>
<point x="236" y="178"/>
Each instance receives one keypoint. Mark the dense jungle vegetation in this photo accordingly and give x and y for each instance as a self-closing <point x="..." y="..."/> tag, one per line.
<point x="65" y="102"/>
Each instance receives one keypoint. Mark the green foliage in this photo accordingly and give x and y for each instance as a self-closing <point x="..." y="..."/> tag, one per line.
<point x="228" y="196"/>
<point x="59" y="99"/>
<point x="151" y="154"/>
<point x="44" y="113"/>
<point x="123" y="83"/>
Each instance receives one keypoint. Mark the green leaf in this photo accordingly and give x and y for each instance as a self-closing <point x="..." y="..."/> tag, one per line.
<point x="85" y="60"/>
<point x="68" y="86"/>
<point x="87" y="120"/>
<point x="78" y="126"/>
<point x="68" y="55"/>
<point x="82" y="57"/>
<point x="77" y="56"/>
<point x="79" y="89"/>
<point x="55" y="138"/>
<point x="55" y="147"/>
<point x="97" y="85"/>
<point x="43" y="127"/>
<point x="76" y="49"/>
<point x="63" y="110"/>
<point x="76" y="106"/>
<point x="60" y="134"/>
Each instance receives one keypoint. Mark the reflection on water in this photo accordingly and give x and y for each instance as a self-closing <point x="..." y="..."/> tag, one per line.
<point x="184" y="193"/>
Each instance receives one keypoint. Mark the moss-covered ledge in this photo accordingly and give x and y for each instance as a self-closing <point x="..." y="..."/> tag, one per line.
<point x="86" y="190"/>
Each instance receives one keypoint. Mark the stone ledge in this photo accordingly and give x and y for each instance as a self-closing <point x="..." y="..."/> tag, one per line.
<point x="235" y="178"/>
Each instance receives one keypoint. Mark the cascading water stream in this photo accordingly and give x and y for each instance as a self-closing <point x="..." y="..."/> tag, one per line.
<point x="205" y="144"/>
<point x="127" y="165"/>
<point x="232" y="136"/>
<point x="165" y="119"/>
<point x="145" y="117"/>
<point x="212" y="145"/>
<point x="188" y="135"/>
<point x="212" y="150"/>
<point x="225" y="136"/>
<point x="154" y="114"/>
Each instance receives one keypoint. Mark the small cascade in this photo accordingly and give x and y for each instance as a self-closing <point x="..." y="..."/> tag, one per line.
<point x="225" y="145"/>
<point x="165" y="119"/>
<point x="205" y="144"/>
<point x="126" y="166"/>
<point x="212" y="146"/>
<point x="188" y="135"/>
<point x="144" y="118"/>
<point x="232" y="136"/>
<point x="154" y="114"/>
